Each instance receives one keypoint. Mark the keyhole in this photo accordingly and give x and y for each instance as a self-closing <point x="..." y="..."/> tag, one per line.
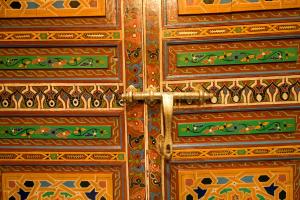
<point x="168" y="148"/>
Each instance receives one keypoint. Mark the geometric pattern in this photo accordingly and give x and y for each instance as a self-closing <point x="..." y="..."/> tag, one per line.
<point x="242" y="183"/>
<point x="60" y="96"/>
<point x="270" y="90"/>
<point x="46" y="186"/>
<point x="235" y="152"/>
<point x="247" y="29"/>
<point x="51" y="8"/>
<point x="60" y="35"/>
<point x="225" y="6"/>
<point x="62" y="157"/>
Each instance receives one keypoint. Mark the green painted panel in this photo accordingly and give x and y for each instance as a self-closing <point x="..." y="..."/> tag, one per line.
<point x="237" y="127"/>
<point x="55" y="132"/>
<point x="237" y="57"/>
<point x="50" y="62"/>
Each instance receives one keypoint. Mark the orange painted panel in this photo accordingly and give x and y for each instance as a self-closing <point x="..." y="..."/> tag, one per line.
<point x="51" y="8"/>
<point x="186" y="7"/>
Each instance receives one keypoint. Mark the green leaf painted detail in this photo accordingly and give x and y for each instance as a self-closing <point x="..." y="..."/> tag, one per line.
<point x="53" y="156"/>
<point x="65" y="194"/>
<point x="51" y="62"/>
<point x="121" y="157"/>
<point x="225" y="190"/>
<point x="55" y="132"/>
<point x="260" y="197"/>
<point x="237" y="57"/>
<point x="237" y="127"/>
<point x="241" y="152"/>
<point x="47" y="194"/>
<point x="245" y="190"/>
<point x="116" y="35"/>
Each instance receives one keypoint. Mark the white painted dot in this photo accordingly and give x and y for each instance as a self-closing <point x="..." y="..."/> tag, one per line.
<point x="259" y="97"/>
<point x="285" y="96"/>
<point x="214" y="99"/>
<point x="236" y="98"/>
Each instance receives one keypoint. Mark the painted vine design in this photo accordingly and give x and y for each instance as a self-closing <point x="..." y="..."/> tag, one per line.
<point x="235" y="57"/>
<point x="50" y="62"/>
<point x="237" y="127"/>
<point x="55" y="132"/>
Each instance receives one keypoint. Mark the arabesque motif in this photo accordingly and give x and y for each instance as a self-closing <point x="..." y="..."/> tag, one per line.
<point x="271" y="90"/>
<point x="85" y="186"/>
<point x="235" y="152"/>
<point x="248" y="183"/>
<point x="50" y="62"/>
<point x="44" y="36"/>
<point x="188" y="7"/>
<point x="237" y="127"/>
<point x="51" y="8"/>
<point x="62" y="157"/>
<point x="221" y="31"/>
<point x="55" y="132"/>
<point x="237" y="57"/>
<point x="59" y="96"/>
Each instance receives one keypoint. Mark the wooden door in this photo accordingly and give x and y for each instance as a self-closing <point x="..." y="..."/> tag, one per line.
<point x="65" y="132"/>
<point x="244" y="143"/>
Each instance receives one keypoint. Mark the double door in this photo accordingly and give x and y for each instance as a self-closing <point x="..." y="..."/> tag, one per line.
<point x="98" y="99"/>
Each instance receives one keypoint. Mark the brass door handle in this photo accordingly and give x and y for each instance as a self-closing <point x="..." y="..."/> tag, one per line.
<point x="167" y="98"/>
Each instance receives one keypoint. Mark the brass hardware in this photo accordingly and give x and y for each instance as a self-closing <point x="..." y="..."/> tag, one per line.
<point x="167" y="145"/>
<point x="167" y="98"/>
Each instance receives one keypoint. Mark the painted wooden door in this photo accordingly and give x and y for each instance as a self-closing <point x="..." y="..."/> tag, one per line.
<point x="244" y="142"/>
<point x="63" y="127"/>
<point x="66" y="133"/>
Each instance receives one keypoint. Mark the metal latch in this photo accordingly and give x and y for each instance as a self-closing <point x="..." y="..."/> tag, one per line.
<point x="151" y="95"/>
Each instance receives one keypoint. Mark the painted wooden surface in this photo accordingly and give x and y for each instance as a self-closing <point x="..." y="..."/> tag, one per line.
<point x="236" y="183"/>
<point x="223" y="6"/>
<point x="51" y="8"/>
<point x="58" y="185"/>
<point x="50" y="62"/>
<point x="55" y="132"/>
<point x="138" y="43"/>
<point x="237" y="57"/>
<point x="237" y="127"/>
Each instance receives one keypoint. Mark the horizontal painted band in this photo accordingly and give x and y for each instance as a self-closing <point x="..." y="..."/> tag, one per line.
<point x="235" y="152"/>
<point x="49" y="62"/>
<point x="62" y="156"/>
<point x="237" y="127"/>
<point x="44" y="36"/>
<point x="237" y="57"/>
<point x="55" y="132"/>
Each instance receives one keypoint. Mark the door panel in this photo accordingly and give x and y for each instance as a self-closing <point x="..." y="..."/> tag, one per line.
<point x="243" y="143"/>
<point x="91" y="61"/>
<point x="203" y="7"/>
<point x="234" y="180"/>
<point x="93" y="132"/>
<point x="185" y="13"/>
<point x="63" y="127"/>
<point x="46" y="182"/>
<point x="52" y="8"/>
<point x="234" y="57"/>
<point x="106" y="14"/>
<point x="235" y="127"/>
